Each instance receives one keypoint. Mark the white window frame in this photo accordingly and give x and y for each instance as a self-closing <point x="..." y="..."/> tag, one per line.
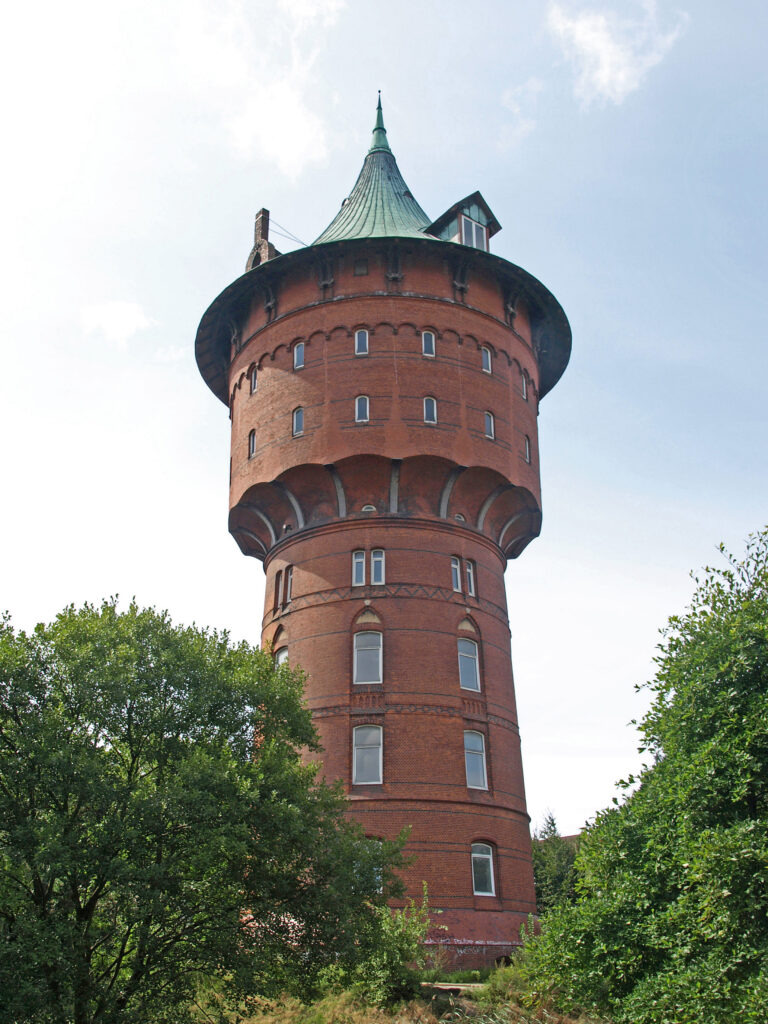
<point x="478" y="755"/>
<point x="524" y="385"/>
<point x="433" y="421"/>
<point x="367" y="746"/>
<point x="490" y="425"/>
<point x="527" y="449"/>
<point x="456" y="574"/>
<point x="281" y="655"/>
<point x="288" y="585"/>
<point x="486" y="359"/>
<point x="278" y="590"/>
<point x="362" y="339"/>
<point x="251" y="444"/>
<point x="298" y="356"/>
<point x="474" y="658"/>
<point x="254" y="380"/>
<point x="425" y="345"/>
<point x="469" y="566"/>
<point x="378" y="567"/>
<point x="356" y="646"/>
<point x="483" y="852"/>
<point x="358" y="568"/>
<point x="472" y="231"/>
<point x="297" y="421"/>
<point x="358" y="407"/>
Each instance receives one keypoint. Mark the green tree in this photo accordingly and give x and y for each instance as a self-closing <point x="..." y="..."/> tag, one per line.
<point x="553" y="859"/>
<point x="158" y="827"/>
<point x="671" y="919"/>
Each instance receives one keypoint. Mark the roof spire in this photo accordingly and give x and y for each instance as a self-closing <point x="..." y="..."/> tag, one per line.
<point x="379" y="140"/>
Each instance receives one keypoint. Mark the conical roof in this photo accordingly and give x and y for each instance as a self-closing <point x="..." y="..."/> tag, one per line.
<point x="380" y="205"/>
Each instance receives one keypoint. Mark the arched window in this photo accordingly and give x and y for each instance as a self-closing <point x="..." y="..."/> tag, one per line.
<point x="251" y="444"/>
<point x="430" y="410"/>
<point x="482" y="870"/>
<point x="527" y="448"/>
<point x="524" y="385"/>
<point x="358" y="568"/>
<point x="254" y="380"/>
<point x="361" y="409"/>
<point x="281" y="655"/>
<point x="377" y="568"/>
<point x="485" y="357"/>
<point x="469" y="672"/>
<point x="368" y="658"/>
<point x="367" y="743"/>
<point x="490" y="425"/>
<point x="361" y="343"/>
<point x="428" y="344"/>
<point x="474" y="760"/>
<point x="298" y="421"/>
<point x="298" y="356"/>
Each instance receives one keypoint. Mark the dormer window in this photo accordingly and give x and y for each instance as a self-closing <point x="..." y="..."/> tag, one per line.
<point x="473" y="233"/>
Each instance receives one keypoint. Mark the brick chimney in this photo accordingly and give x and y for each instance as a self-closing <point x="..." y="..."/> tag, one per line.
<point x="263" y="249"/>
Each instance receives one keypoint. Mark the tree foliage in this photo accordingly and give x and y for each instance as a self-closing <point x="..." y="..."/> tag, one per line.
<point x="158" y="827"/>
<point x="553" y="871"/>
<point x="671" y="920"/>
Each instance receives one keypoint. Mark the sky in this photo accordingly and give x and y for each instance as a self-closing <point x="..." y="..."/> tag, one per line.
<point x="622" y="146"/>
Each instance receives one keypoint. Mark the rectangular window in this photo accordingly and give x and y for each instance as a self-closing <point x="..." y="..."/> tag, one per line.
<point x="456" y="574"/>
<point x="473" y="234"/>
<point x="527" y="449"/>
<point x="254" y="380"/>
<point x="427" y="343"/>
<point x="490" y="426"/>
<point x="288" y="585"/>
<point x="469" y="676"/>
<point x="298" y="422"/>
<point x="278" y="590"/>
<point x="485" y="355"/>
<point x="361" y="409"/>
<point x="367" y="658"/>
<point x="482" y="870"/>
<point x="298" y="356"/>
<point x="470" y="567"/>
<point x="358" y="568"/>
<point x="360" y="268"/>
<point x="430" y="410"/>
<point x="474" y="760"/>
<point x="251" y="444"/>
<point x="367" y="755"/>
<point x="524" y="386"/>
<point x="361" y="343"/>
<point x="377" y="568"/>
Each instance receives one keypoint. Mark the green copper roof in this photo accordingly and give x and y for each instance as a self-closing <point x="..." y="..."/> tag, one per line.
<point x="380" y="205"/>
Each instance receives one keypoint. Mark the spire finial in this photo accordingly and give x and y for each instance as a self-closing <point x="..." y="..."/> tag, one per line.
<point x="379" y="140"/>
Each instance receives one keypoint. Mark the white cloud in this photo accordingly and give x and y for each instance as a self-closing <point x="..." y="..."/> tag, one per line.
<point x="519" y="101"/>
<point x="612" y="54"/>
<point x="171" y="354"/>
<point x="115" y="321"/>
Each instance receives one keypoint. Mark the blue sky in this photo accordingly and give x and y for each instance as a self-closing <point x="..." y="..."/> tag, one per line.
<point x="622" y="145"/>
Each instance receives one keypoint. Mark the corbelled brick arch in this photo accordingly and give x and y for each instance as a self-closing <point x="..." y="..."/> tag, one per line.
<point x="384" y="387"/>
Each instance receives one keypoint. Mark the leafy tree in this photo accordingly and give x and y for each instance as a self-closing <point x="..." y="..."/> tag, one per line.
<point x="158" y="827"/>
<point x="671" y="919"/>
<point x="553" y="872"/>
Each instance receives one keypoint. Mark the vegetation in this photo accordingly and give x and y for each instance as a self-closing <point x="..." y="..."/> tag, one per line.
<point x="553" y="866"/>
<point x="671" y="918"/>
<point x="158" y="828"/>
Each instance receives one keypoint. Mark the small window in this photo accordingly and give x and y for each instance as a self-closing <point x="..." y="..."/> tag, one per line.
<point x="482" y="870"/>
<point x="367" y="658"/>
<point x="524" y="385"/>
<point x="527" y="448"/>
<point x="298" y="356"/>
<point x="490" y="425"/>
<point x="281" y="655"/>
<point x="251" y="444"/>
<point x="469" y="676"/>
<point x="485" y="356"/>
<point x="377" y="568"/>
<point x="427" y="344"/>
<point x="456" y="574"/>
<point x="360" y="268"/>
<point x="358" y="568"/>
<point x="368" y="508"/>
<point x="288" y="585"/>
<point x="361" y="343"/>
<point x="278" y="590"/>
<point x="430" y="410"/>
<point x="474" y="760"/>
<point x="361" y="409"/>
<point x="254" y="380"/>
<point x="366" y="755"/>
<point x="470" y="569"/>
<point x="473" y="234"/>
<point x="298" y="422"/>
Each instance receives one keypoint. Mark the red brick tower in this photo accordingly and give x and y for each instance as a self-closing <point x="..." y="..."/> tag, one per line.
<point x="383" y="385"/>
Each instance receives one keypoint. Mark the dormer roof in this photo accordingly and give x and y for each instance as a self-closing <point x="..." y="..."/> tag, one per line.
<point x="473" y="206"/>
